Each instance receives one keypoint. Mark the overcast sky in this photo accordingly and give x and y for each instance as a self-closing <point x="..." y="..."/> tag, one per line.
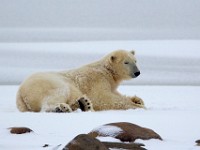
<point x="181" y="17"/>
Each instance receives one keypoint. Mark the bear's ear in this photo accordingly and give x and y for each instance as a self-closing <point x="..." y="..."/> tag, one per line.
<point x="113" y="58"/>
<point x="133" y="52"/>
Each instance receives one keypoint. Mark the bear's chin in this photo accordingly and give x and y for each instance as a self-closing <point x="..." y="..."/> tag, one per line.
<point x="133" y="76"/>
<point x="128" y="77"/>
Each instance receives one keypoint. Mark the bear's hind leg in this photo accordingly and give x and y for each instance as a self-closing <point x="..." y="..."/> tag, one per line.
<point x="55" y="103"/>
<point x="62" y="107"/>
<point x="83" y="103"/>
<point x="58" y="107"/>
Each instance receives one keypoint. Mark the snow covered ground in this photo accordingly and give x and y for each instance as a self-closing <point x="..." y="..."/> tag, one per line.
<point x="172" y="111"/>
<point x="169" y="85"/>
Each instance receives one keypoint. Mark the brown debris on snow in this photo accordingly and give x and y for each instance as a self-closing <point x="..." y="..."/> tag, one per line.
<point x="127" y="146"/>
<point x="129" y="132"/>
<point x="87" y="142"/>
<point x="198" y="142"/>
<point x="20" y="130"/>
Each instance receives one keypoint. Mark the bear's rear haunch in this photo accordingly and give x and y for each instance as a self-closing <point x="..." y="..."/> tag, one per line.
<point x="92" y="87"/>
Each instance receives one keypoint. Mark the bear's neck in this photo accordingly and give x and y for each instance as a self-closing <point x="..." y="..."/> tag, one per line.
<point x="113" y="73"/>
<point x="108" y="70"/>
<point x="116" y="78"/>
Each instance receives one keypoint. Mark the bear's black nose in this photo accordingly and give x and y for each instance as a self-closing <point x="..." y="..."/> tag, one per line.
<point x="137" y="73"/>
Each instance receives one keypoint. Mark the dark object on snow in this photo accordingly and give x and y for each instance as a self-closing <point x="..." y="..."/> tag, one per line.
<point x="20" y="130"/>
<point x="198" y="142"/>
<point x="127" y="132"/>
<point x="45" y="145"/>
<point x="127" y="146"/>
<point x="85" y="142"/>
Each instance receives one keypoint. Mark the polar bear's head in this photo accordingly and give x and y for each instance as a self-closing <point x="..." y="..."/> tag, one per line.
<point x="123" y="64"/>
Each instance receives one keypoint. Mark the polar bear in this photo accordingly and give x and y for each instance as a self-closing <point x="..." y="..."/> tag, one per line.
<point x="90" y="87"/>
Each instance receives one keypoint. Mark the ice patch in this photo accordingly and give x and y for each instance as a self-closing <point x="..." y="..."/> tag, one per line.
<point x="108" y="139"/>
<point x="108" y="130"/>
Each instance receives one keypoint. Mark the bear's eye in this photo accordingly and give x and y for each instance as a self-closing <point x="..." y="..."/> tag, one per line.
<point x="126" y="62"/>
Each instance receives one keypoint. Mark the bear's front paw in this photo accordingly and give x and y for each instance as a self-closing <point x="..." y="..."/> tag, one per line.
<point x="62" y="107"/>
<point x="138" y="102"/>
<point x="85" y="104"/>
